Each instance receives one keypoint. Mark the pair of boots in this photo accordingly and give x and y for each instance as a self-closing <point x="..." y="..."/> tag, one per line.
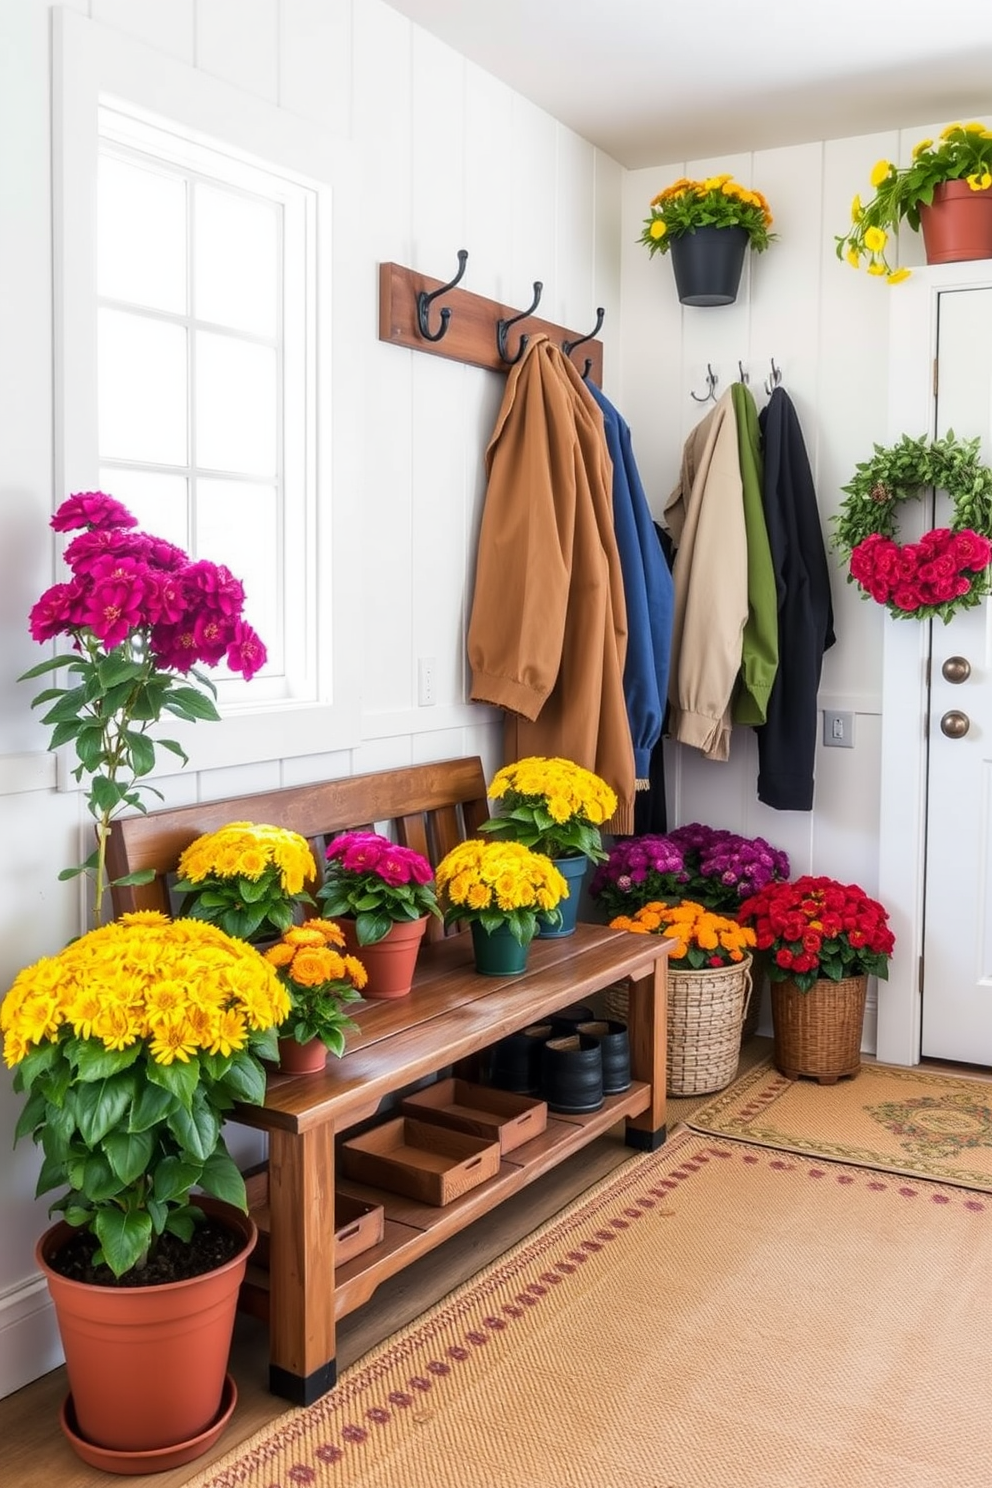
<point x="573" y="1061"/>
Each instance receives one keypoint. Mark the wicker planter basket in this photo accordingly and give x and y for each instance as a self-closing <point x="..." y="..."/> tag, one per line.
<point x="818" y="1033"/>
<point x="706" y="1011"/>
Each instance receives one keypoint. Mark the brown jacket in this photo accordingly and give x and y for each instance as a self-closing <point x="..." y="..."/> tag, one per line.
<point x="548" y="631"/>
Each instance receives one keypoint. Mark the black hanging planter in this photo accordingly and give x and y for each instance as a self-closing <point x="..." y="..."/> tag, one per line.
<point x="708" y="264"/>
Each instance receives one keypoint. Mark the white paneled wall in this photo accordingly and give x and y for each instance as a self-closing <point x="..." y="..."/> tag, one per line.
<point x="448" y="158"/>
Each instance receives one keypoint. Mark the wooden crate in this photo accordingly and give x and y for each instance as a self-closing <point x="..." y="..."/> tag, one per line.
<point x="497" y="1115"/>
<point x="420" y="1159"/>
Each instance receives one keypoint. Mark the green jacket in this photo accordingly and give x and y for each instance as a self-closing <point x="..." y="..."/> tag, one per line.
<point x="759" y="645"/>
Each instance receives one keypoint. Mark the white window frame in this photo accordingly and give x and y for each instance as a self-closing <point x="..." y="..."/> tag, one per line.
<point x="93" y="66"/>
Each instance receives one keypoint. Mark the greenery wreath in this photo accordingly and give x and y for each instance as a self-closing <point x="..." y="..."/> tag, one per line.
<point x="948" y="568"/>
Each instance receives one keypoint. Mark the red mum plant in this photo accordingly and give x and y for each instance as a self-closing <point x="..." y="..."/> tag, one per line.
<point x="142" y="617"/>
<point x="817" y="928"/>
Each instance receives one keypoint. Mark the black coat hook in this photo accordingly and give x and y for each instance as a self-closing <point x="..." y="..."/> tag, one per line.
<point x="711" y="381"/>
<point x="744" y="377"/>
<point x="772" y="382"/>
<point x="569" y="346"/>
<point x="502" y="326"/>
<point x="424" y="303"/>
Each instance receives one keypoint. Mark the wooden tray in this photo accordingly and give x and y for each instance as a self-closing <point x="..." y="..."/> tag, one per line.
<point x="420" y="1159"/>
<point x="497" y="1115"/>
<point x="357" y="1227"/>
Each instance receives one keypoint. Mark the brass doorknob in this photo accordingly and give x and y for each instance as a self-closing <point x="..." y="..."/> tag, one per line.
<point x="956" y="669"/>
<point x="955" y="724"/>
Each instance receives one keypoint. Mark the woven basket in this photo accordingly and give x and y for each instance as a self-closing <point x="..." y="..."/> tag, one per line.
<point x="818" y="1033"/>
<point x="706" y="1011"/>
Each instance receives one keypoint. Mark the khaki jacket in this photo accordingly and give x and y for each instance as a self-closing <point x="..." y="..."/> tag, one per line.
<point x="547" y="636"/>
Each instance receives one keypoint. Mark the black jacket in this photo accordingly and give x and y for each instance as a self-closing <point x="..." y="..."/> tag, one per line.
<point x="787" y="740"/>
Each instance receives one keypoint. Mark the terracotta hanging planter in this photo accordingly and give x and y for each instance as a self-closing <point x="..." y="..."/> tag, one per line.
<point x="390" y="962"/>
<point x="147" y="1365"/>
<point x="958" y="226"/>
<point x="708" y="263"/>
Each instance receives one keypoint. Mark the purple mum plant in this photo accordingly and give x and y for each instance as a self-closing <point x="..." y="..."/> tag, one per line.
<point x="712" y="867"/>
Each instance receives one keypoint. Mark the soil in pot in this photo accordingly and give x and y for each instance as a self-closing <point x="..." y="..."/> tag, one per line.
<point x="212" y="1245"/>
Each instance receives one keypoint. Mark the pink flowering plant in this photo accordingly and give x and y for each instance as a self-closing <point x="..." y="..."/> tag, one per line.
<point x="143" y="618"/>
<point x="639" y="871"/>
<point x="377" y="882"/>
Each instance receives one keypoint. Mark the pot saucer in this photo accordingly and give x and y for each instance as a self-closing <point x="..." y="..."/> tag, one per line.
<point x="159" y="1459"/>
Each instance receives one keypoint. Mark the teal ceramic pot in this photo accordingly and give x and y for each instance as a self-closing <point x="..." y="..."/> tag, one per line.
<point x="498" y="954"/>
<point x="573" y="870"/>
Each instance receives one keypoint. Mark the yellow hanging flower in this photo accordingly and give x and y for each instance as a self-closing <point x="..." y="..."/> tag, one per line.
<point x="658" y="229"/>
<point x="875" y="239"/>
<point x="980" y="182"/>
<point x="880" y="171"/>
<point x="897" y="276"/>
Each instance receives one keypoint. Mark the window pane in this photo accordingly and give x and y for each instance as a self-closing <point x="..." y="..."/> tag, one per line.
<point x="235" y="405"/>
<point x="237" y="523"/>
<point x="160" y="502"/>
<point x="236" y="260"/>
<point x="141" y="223"/>
<point x="142" y="389"/>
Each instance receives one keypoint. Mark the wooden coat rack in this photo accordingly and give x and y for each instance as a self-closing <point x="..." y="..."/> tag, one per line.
<point x="467" y="327"/>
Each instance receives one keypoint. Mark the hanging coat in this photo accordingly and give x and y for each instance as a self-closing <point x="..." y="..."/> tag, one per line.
<point x="705" y="517"/>
<point x="547" y="637"/>
<point x="648" y="592"/>
<point x="759" y="643"/>
<point x="787" y="741"/>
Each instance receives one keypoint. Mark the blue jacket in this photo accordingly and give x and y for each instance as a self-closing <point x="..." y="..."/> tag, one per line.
<point x="648" y="592"/>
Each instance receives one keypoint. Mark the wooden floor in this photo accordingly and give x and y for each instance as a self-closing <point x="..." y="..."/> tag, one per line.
<point x="34" y="1454"/>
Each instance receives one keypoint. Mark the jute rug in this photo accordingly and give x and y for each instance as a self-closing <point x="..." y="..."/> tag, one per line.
<point x="904" y="1120"/>
<point x="715" y="1315"/>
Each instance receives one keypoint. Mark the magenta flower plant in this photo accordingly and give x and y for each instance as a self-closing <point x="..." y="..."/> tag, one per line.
<point x="377" y="883"/>
<point x="142" y="617"/>
<point x="711" y="866"/>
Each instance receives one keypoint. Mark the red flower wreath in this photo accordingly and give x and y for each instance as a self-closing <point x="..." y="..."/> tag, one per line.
<point x="948" y="569"/>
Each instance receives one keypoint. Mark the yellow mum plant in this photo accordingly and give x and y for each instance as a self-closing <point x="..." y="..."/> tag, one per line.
<point x="702" y="939"/>
<point x="718" y="201"/>
<point x="500" y="883"/>
<point x="553" y="806"/>
<point x="320" y="981"/>
<point x="247" y="877"/>
<point x="132" y="1045"/>
<point x="962" y="153"/>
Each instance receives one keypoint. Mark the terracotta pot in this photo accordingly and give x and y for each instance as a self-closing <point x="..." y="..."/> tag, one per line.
<point x="958" y="226"/>
<point x="147" y="1366"/>
<point x="302" y="1059"/>
<point x="818" y="1033"/>
<point x="390" y="963"/>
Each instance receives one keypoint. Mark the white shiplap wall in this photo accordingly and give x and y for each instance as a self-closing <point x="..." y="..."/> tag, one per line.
<point x="448" y="158"/>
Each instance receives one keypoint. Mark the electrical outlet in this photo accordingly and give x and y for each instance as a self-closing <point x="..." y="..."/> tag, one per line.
<point x="427" y="681"/>
<point x="838" y="730"/>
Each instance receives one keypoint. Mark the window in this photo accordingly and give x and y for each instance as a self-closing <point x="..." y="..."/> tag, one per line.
<point x="193" y="353"/>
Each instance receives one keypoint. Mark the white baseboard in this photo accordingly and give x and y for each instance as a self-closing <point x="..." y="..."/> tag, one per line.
<point x="29" y="1335"/>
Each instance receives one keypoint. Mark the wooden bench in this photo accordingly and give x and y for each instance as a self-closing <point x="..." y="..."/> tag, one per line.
<point x="452" y="1015"/>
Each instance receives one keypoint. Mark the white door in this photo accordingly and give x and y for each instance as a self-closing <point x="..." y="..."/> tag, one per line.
<point x="957" y="931"/>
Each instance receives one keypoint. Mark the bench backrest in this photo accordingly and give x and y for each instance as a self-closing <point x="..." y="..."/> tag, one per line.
<point x="430" y="808"/>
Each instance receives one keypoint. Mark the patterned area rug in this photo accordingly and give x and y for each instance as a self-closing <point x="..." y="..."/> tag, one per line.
<point x="903" y="1120"/>
<point x="715" y="1315"/>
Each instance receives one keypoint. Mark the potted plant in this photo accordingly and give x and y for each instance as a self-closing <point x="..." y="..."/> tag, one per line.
<point x="557" y="808"/>
<point x="946" y="191"/>
<point x="717" y="868"/>
<point x="247" y="877"/>
<point x="499" y="889"/>
<point x="709" y="985"/>
<point x="382" y="893"/>
<point x="321" y="981"/>
<point x="709" y="226"/>
<point x="825" y="939"/>
<point x="143" y="618"/>
<point x="131" y="1047"/>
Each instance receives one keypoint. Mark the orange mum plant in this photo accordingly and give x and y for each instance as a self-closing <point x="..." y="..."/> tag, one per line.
<point x="702" y="939"/>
